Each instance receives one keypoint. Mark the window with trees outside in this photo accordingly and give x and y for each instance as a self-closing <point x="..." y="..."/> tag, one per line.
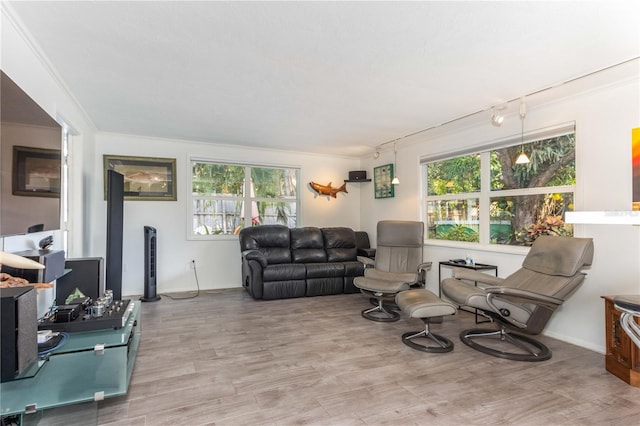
<point x="485" y="197"/>
<point x="227" y="197"/>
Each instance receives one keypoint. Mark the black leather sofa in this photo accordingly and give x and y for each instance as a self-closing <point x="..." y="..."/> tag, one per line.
<point x="280" y="262"/>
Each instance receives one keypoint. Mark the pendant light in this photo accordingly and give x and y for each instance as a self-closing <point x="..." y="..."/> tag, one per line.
<point x="522" y="158"/>
<point x="395" y="180"/>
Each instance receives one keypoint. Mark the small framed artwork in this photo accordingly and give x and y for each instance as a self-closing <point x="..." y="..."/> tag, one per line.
<point x="635" y="164"/>
<point x="145" y="178"/>
<point x="382" y="177"/>
<point x="36" y="172"/>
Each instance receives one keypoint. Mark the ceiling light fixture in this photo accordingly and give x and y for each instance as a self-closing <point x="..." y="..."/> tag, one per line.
<point x="522" y="158"/>
<point x="395" y="180"/>
<point x="376" y="154"/>
<point x="496" y="119"/>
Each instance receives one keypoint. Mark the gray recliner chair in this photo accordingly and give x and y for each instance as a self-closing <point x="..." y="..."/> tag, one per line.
<point x="397" y="266"/>
<point x="523" y="302"/>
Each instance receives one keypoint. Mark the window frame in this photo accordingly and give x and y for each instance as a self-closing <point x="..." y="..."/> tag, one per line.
<point x="486" y="193"/>
<point x="246" y="197"/>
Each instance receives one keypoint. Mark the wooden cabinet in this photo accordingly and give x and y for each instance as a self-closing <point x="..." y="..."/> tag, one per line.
<point x="622" y="358"/>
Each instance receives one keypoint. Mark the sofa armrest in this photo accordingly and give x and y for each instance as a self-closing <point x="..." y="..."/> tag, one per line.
<point x="255" y="255"/>
<point x="367" y="252"/>
<point x="423" y="268"/>
<point x="519" y="296"/>
<point x="523" y="296"/>
<point x="366" y="261"/>
<point x="477" y="276"/>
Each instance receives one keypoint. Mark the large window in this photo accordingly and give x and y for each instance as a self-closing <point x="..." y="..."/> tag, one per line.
<point x="485" y="197"/>
<point x="228" y="197"/>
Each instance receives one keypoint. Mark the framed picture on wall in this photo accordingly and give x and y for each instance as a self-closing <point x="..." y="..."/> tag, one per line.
<point x="382" y="177"/>
<point x="635" y="164"/>
<point x="145" y="178"/>
<point x="36" y="172"/>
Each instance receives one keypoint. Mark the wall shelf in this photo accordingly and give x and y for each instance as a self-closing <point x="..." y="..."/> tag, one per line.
<point x="610" y="217"/>
<point x="356" y="180"/>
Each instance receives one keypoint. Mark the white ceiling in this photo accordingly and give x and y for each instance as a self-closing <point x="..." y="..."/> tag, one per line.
<point x="338" y="77"/>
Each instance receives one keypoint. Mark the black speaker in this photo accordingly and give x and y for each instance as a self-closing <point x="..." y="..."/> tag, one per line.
<point x="358" y="175"/>
<point x="84" y="273"/>
<point x="150" y="265"/>
<point x="53" y="261"/>
<point x="115" y="224"/>
<point x="19" y="331"/>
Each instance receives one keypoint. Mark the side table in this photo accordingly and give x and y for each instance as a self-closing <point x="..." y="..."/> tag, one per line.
<point x="622" y="358"/>
<point x="475" y="267"/>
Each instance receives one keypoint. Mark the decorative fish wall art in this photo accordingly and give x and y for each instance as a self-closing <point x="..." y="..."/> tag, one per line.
<point x="327" y="189"/>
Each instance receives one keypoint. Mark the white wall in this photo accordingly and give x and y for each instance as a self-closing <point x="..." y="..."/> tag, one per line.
<point x="604" y="117"/>
<point x="217" y="262"/>
<point x="22" y="62"/>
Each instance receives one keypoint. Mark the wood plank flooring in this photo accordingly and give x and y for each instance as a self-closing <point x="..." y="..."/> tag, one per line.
<point x="226" y="359"/>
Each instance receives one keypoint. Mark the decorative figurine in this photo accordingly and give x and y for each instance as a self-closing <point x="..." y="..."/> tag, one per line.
<point x="327" y="189"/>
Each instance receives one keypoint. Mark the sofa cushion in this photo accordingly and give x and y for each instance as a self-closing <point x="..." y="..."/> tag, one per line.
<point x="284" y="289"/>
<point x="271" y="240"/>
<point x="322" y="270"/>
<point x="307" y="245"/>
<point x="324" y="286"/>
<point x="353" y="268"/>
<point x="340" y="244"/>
<point x="284" y="272"/>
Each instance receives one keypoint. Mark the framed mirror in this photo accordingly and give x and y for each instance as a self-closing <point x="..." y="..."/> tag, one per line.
<point x="30" y="147"/>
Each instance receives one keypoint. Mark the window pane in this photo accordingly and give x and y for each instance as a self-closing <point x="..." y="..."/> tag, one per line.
<point x="214" y="179"/>
<point x="216" y="217"/>
<point x="277" y="212"/>
<point x="273" y="183"/>
<point x="453" y="219"/>
<point x="221" y="196"/>
<point x="519" y="220"/>
<point x="454" y="176"/>
<point x="552" y="163"/>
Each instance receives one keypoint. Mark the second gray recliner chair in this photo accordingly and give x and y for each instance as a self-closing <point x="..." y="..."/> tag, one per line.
<point x="398" y="266"/>
<point x="522" y="303"/>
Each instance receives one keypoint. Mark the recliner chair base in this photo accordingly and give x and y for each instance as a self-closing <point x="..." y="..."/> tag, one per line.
<point x="443" y="344"/>
<point x="531" y="350"/>
<point x="381" y="313"/>
<point x="384" y="309"/>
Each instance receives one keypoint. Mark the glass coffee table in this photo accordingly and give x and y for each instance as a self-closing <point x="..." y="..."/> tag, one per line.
<point x="90" y="366"/>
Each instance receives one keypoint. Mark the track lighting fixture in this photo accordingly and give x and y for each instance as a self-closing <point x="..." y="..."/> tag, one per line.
<point x="522" y="158"/>
<point x="496" y="119"/>
<point x="376" y="154"/>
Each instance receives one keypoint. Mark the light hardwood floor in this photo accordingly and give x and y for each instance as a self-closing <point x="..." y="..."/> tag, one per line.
<point x="226" y="359"/>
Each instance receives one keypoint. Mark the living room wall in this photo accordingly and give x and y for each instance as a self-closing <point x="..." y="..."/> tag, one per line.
<point x="605" y="108"/>
<point x="24" y="64"/>
<point x="218" y="260"/>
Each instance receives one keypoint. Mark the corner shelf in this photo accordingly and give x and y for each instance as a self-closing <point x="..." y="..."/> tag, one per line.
<point x="357" y="180"/>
